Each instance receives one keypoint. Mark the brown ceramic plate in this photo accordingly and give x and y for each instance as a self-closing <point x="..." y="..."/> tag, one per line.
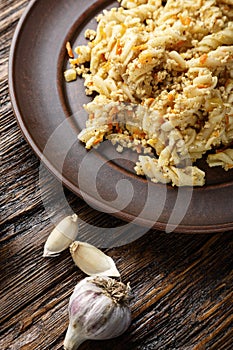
<point x="50" y="114"/>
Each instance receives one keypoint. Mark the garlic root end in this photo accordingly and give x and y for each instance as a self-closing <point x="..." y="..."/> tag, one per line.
<point x="72" y="339"/>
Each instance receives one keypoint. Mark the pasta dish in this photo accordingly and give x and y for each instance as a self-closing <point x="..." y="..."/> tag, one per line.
<point x="162" y="76"/>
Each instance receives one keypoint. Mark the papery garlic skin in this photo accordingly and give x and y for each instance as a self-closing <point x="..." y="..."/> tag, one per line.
<point x="98" y="309"/>
<point x="61" y="236"/>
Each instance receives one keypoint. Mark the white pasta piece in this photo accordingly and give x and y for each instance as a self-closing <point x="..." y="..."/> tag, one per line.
<point x="223" y="159"/>
<point x="127" y="51"/>
<point x="205" y="81"/>
<point x="190" y="136"/>
<point x="151" y="122"/>
<point x="143" y="11"/>
<point x="128" y="92"/>
<point x="181" y="63"/>
<point x="212" y="41"/>
<point x="188" y="176"/>
<point x="84" y="53"/>
<point x="110" y="84"/>
<point x="165" y="38"/>
<point x="149" y="167"/>
<point x="100" y="85"/>
<point x="214" y="59"/>
<point x="132" y="3"/>
<point x="93" y="136"/>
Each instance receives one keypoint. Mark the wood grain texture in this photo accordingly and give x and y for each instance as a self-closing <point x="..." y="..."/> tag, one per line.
<point x="182" y="284"/>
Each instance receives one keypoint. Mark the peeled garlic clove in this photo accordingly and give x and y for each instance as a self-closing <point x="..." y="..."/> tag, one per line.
<point x="98" y="309"/>
<point x="62" y="236"/>
<point x="92" y="261"/>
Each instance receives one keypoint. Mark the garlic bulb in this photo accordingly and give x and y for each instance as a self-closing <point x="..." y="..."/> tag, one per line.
<point x="92" y="261"/>
<point x="98" y="309"/>
<point x="62" y="236"/>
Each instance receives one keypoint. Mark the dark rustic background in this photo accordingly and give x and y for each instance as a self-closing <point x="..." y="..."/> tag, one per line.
<point x="182" y="284"/>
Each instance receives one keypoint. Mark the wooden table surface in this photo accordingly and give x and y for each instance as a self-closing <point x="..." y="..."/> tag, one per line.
<point x="182" y="284"/>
